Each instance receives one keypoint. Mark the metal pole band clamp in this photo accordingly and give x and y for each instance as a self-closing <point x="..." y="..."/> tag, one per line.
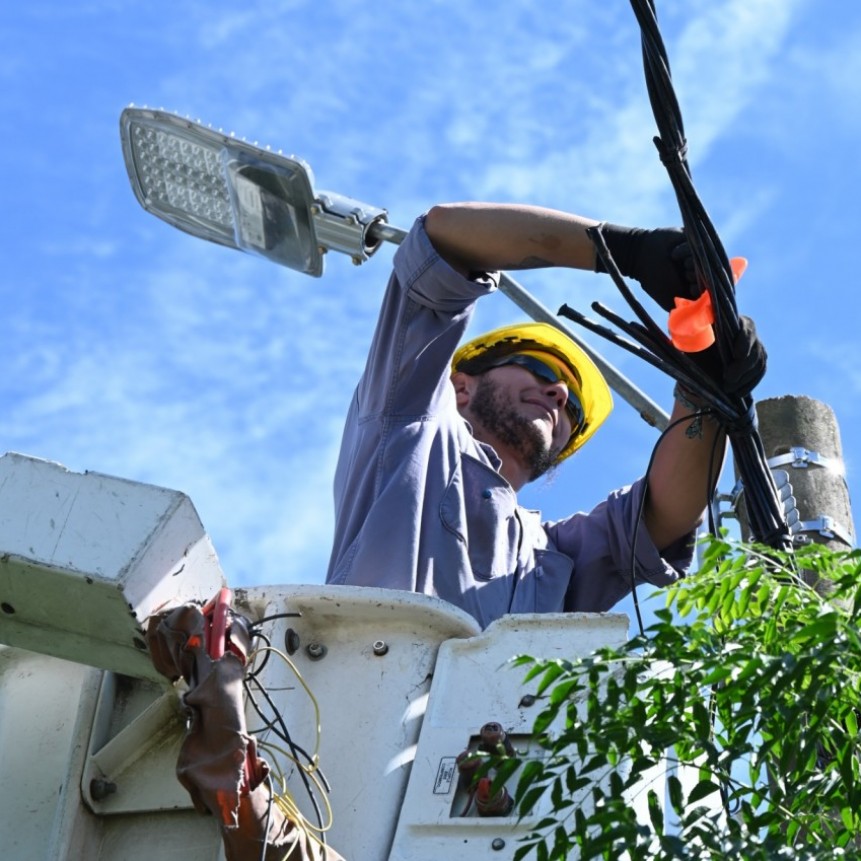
<point x="826" y="526"/>
<point x="802" y="458"/>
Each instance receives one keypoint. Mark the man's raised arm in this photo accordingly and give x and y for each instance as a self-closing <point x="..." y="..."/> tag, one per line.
<point x="489" y="236"/>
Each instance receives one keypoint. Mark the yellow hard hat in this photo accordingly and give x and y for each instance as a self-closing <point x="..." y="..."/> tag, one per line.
<point x="581" y="375"/>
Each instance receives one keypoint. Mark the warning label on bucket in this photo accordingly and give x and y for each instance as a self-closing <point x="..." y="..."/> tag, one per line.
<point x="445" y="776"/>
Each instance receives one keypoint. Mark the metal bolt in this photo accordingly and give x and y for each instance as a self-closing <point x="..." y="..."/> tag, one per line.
<point x="380" y="648"/>
<point x="100" y="788"/>
<point x="291" y="641"/>
<point x="492" y="733"/>
<point x="316" y="651"/>
<point x="495" y="739"/>
<point x="498" y="843"/>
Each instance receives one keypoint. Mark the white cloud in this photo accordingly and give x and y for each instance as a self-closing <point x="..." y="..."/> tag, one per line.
<point x="724" y="57"/>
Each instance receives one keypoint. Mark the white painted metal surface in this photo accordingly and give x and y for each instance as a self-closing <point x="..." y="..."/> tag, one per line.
<point x="86" y="558"/>
<point x="372" y="702"/>
<point x="40" y="699"/>
<point x="474" y="684"/>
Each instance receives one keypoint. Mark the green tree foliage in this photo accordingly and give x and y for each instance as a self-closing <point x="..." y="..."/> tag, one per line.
<point x="749" y="682"/>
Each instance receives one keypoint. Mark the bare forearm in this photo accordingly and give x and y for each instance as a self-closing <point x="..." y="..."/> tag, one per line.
<point x="488" y="237"/>
<point x="679" y="481"/>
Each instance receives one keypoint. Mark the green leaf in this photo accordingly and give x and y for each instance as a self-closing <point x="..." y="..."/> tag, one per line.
<point x="743" y="602"/>
<point x="823" y="628"/>
<point x="529" y="800"/>
<point x="550" y="673"/>
<point x="750" y="668"/>
<point x="674" y="788"/>
<point x="563" y="691"/>
<point x="656" y="813"/>
<point x="595" y="763"/>
<point x="718" y="674"/>
<point x="505" y="768"/>
<point x="522" y="851"/>
<point x="533" y="769"/>
<point x="702" y="790"/>
<point x="544" y="719"/>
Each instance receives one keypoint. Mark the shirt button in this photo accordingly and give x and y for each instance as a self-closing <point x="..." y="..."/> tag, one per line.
<point x="487" y="493"/>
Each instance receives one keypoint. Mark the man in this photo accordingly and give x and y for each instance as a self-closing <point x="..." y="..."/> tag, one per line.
<point x="433" y="455"/>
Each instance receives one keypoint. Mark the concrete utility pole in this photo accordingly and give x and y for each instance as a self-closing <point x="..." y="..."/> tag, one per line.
<point x="801" y="437"/>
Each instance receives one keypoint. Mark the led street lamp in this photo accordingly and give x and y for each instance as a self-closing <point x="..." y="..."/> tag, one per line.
<point x="239" y="195"/>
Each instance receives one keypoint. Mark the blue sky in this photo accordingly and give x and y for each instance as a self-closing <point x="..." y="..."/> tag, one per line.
<point x="133" y="349"/>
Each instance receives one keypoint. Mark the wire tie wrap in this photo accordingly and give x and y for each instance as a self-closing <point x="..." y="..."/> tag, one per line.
<point x="671" y="155"/>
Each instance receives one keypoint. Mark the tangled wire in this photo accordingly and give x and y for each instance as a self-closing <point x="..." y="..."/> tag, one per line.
<point x="713" y="271"/>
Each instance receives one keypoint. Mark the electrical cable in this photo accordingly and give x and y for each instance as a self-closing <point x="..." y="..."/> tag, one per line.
<point x="638" y="522"/>
<point x="295" y="749"/>
<point x="712" y="268"/>
<point x="713" y="271"/>
<point x="284" y="800"/>
<point x="300" y="678"/>
<point x="270" y="725"/>
<point x="713" y="476"/>
<point x="309" y="770"/>
<point x="259" y="635"/>
<point x="649" y="343"/>
<point x="256" y="630"/>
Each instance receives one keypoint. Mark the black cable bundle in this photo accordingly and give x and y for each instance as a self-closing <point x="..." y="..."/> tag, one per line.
<point x="712" y="268"/>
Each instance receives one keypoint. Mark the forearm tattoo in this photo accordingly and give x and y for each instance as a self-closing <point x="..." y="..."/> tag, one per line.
<point x="529" y="263"/>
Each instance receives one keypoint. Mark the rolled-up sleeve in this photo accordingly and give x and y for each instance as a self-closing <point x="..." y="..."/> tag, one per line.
<point x="425" y="313"/>
<point x="602" y="546"/>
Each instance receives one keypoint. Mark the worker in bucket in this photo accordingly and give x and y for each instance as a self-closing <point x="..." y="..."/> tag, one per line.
<point x="440" y="438"/>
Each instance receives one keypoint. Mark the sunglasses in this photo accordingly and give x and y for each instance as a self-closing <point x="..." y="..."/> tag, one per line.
<point x="548" y="374"/>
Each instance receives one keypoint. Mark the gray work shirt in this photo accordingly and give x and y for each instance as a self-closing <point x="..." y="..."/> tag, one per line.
<point x="419" y="502"/>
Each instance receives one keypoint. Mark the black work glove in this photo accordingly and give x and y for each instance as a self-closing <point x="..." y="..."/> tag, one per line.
<point x="661" y="260"/>
<point x="746" y="365"/>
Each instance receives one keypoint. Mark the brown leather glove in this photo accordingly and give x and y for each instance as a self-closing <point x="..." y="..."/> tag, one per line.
<point x="211" y="763"/>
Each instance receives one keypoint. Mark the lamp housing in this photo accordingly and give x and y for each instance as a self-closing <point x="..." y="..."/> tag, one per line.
<point x="237" y="194"/>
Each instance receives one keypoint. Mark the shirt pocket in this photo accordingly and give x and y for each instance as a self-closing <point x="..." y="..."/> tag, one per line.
<point x="479" y="507"/>
<point x="552" y="577"/>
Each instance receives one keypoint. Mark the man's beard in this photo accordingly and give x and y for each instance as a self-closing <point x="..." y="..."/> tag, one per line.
<point x="498" y="417"/>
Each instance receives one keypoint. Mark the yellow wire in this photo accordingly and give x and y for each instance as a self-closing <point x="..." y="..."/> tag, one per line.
<point x="285" y="802"/>
<point x="315" y="758"/>
<point x="282" y="780"/>
<point x="284" y="799"/>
